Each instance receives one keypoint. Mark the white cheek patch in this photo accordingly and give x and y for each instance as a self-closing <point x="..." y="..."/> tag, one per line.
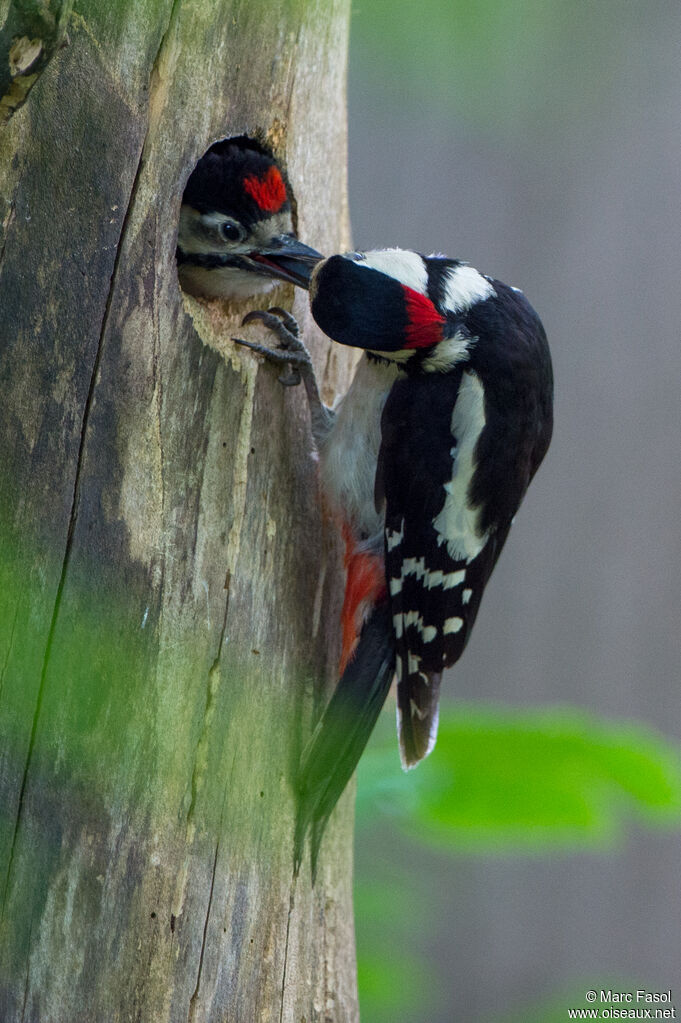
<point x="406" y="267"/>
<point x="194" y="234"/>
<point x="464" y="287"/>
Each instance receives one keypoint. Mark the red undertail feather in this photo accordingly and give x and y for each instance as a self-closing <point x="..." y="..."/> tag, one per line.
<point x="269" y="191"/>
<point x="364" y="586"/>
<point x="424" y="322"/>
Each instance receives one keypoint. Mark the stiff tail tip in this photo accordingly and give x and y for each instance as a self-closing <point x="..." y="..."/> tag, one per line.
<point x="418" y="710"/>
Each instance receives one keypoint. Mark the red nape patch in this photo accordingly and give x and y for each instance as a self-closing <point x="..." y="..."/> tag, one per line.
<point x="424" y="323"/>
<point x="364" y="585"/>
<point x="269" y="191"/>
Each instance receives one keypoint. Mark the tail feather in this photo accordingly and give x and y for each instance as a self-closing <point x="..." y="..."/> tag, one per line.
<point x="418" y="698"/>
<point x="343" y="731"/>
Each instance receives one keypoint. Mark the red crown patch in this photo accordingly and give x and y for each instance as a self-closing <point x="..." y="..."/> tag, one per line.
<point x="269" y="191"/>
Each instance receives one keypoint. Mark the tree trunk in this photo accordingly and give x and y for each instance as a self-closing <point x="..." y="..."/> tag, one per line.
<point x="170" y="589"/>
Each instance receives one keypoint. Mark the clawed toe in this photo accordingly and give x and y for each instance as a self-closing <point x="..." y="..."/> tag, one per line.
<point x="281" y="323"/>
<point x="293" y="358"/>
<point x="290" y="350"/>
<point x="287" y="318"/>
<point x="295" y="361"/>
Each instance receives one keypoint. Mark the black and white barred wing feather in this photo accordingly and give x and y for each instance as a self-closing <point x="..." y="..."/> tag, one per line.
<point x="438" y="559"/>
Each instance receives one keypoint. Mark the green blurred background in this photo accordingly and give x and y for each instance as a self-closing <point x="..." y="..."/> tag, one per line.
<point x="537" y="853"/>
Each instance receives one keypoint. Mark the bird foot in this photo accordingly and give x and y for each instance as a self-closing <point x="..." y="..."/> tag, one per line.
<point x="290" y="350"/>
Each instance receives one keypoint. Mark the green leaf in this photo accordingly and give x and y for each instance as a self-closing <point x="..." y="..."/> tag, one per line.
<point x="500" y="779"/>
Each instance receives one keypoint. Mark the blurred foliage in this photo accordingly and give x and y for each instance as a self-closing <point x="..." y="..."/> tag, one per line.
<point x="393" y="982"/>
<point x="489" y="62"/>
<point x="537" y="76"/>
<point x="555" y="1009"/>
<point x="501" y="780"/>
<point x="498" y="782"/>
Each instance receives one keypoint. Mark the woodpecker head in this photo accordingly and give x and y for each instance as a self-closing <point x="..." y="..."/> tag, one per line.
<point x="236" y="234"/>
<point x="405" y="307"/>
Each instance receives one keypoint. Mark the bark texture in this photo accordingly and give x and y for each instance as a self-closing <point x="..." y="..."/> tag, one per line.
<point x="169" y="586"/>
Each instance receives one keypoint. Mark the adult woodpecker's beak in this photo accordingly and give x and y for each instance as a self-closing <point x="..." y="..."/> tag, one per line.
<point x="287" y="259"/>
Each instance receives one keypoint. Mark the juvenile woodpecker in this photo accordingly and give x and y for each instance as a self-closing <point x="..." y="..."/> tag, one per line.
<point x="425" y="460"/>
<point x="236" y="235"/>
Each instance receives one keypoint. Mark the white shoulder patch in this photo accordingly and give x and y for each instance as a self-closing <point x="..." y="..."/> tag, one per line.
<point x="464" y="287"/>
<point x="457" y="522"/>
<point x="406" y="267"/>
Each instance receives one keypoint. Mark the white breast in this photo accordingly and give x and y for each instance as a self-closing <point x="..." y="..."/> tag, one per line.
<point x="349" y="454"/>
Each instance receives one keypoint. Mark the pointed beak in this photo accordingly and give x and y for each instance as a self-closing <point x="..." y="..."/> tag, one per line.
<point x="287" y="259"/>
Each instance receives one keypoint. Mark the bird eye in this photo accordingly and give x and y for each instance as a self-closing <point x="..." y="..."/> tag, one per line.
<point x="231" y="231"/>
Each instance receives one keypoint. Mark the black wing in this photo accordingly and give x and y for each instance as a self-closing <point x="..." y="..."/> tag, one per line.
<point x="438" y="558"/>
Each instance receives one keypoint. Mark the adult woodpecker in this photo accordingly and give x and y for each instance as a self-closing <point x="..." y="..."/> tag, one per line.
<point x="425" y="460"/>
<point x="236" y="236"/>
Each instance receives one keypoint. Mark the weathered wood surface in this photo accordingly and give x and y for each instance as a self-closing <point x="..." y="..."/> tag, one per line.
<point x="168" y="582"/>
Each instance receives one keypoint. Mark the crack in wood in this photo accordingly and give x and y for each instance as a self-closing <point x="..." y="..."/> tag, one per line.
<point x="73" y="516"/>
<point x="193" y="1002"/>
<point x="291" y="903"/>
